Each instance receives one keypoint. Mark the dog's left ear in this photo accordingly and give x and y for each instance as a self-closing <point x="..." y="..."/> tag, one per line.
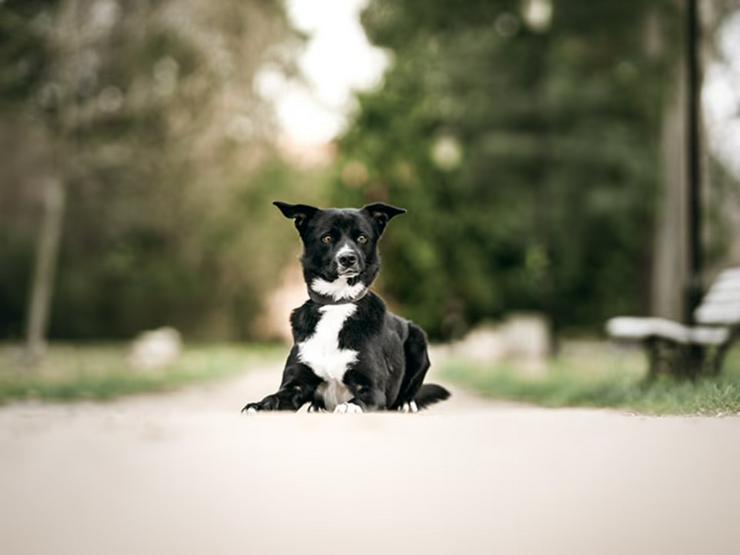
<point x="380" y="214"/>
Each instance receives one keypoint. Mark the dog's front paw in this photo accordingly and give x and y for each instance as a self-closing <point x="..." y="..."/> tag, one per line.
<point x="409" y="407"/>
<point x="251" y="408"/>
<point x="348" y="408"/>
<point x="315" y="408"/>
<point x="268" y="403"/>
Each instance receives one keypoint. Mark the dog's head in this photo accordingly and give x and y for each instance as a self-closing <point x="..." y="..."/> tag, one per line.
<point x="340" y="247"/>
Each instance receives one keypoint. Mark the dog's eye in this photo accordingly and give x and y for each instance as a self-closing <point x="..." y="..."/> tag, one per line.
<point x="327" y="239"/>
<point x="362" y="239"/>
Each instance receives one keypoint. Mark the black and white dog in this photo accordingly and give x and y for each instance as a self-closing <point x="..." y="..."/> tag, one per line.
<point x="349" y="353"/>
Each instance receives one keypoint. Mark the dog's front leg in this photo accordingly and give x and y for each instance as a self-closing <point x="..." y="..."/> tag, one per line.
<point x="296" y="389"/>
<point x="366" y="396"/>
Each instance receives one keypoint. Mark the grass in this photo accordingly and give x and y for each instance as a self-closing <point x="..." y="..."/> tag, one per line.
<point x="101" y="371"/>
<point x="601" y="376"/>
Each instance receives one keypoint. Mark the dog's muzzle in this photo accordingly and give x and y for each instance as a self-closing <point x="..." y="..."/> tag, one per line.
<point x="348" y="264"/>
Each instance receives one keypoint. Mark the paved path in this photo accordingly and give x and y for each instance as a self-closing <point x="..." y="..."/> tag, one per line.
<point x="185" y="473"/>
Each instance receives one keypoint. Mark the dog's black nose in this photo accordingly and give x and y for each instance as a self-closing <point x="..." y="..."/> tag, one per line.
<point x="347" y="260"/>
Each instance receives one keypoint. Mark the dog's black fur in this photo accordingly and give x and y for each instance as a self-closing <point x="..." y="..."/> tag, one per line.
<point x="390" y="353"/>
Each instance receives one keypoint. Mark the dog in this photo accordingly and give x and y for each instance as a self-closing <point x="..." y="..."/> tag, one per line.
<point x="349" y="353"/>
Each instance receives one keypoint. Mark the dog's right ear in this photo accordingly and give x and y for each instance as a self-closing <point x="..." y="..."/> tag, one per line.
<point x="300" y="213"/>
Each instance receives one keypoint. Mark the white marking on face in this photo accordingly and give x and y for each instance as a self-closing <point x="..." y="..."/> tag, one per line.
<point x="348" y="408"/>
<point x="338" y="289"/>
<point x="322" y="354"/>
<point x="345" y="249"/>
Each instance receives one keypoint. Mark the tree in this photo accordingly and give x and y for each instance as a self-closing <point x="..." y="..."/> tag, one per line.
<point x="526" y="150"/>
<point x="144" y="112"/>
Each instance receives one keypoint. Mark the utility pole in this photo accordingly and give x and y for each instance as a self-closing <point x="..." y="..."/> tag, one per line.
<point x="693" y="158"/>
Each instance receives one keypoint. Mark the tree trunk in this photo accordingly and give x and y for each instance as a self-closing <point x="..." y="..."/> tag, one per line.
<point x="45" y="269"/>
<point x="670" y="266"/>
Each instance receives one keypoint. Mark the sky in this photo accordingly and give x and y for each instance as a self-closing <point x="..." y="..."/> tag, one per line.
<point x="337" y="60"/>
<point x="721" y="97"/>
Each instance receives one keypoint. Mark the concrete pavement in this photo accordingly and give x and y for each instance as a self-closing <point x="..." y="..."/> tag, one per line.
<point x="186" y="473"/>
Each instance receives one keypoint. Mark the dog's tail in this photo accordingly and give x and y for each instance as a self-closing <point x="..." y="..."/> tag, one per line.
<point x="430" y="393"/>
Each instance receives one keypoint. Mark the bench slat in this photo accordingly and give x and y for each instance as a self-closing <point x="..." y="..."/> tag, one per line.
<point x="724" y="287"/>
<point x="718" y="315"/>
<point x="632" y="328"/>
<point x="709" y="336"/>
<point x="721" y="305"/>
<point x="719" y="311"/>
<point x="730" y="273"/>
<point x="722" y="297"/>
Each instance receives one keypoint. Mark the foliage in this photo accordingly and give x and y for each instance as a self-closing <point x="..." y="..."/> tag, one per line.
<point x="74" y="372"/>
<point x="605" y="379"/>
<point x="146" y="112"/>
<point x="527" y="156"/>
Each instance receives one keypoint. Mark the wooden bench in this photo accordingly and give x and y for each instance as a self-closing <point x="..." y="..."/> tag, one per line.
<point x="682" y="350"/>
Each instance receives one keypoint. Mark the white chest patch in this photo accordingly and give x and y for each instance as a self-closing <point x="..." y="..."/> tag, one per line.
<point x="333" y="393"/>
<point x="338" y="289"/>
<point x="321" y="351"/>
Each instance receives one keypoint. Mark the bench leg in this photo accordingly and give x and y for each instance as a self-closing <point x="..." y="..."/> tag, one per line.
<point x="715" y="363"/>
<point x="694" y="360"/>
<point x="652" y="348"/>
<point x="673" y="359"/>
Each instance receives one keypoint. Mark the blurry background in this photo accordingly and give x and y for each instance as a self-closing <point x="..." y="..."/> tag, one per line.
<point x="538" y="145"/>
